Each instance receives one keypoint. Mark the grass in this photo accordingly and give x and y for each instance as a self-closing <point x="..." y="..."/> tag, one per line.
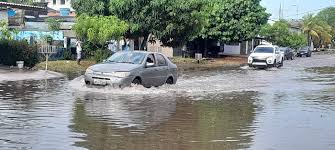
<point x="66" y="66"/>
<point x="71" y="69"/>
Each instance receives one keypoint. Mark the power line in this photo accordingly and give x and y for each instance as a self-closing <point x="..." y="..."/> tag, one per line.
<point x="307" y="12"/>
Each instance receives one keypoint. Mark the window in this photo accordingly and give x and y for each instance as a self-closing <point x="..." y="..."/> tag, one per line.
<point x="264" y="50"/>
<point x="161" y="60"/>
<point x="62" y="2"/>
<point x="127" y="57"/>
<point x="151" y="59"/>
<point x="54" y="2"/>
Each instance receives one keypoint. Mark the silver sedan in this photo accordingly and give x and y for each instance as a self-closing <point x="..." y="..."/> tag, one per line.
<point x="133" y="67"/>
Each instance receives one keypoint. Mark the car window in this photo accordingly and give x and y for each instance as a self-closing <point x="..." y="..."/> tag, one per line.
<point x="263" y="50"/>
<point x="277" y="50"/>
<point x="161" y="60"/>
<point x="127" y="57"/>
<point x="151" y="59"/>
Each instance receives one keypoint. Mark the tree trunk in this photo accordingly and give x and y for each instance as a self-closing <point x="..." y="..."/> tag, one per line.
<point x="145" y="41"/>
<point x="206" y="48"/>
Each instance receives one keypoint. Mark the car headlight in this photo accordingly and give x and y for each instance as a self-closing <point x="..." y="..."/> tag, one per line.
<point x="250" y="60"/>
<point x="118" y="74"/>
<point x="89" y="71"/>
<point x="269" y="60"/>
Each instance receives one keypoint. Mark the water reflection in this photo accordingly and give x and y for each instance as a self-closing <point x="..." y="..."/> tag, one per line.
<point x="169" y="122"/>
<point x="34" y="115"/>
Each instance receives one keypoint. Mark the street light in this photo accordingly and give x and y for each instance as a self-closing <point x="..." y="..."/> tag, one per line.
<point x="296" y="5"/>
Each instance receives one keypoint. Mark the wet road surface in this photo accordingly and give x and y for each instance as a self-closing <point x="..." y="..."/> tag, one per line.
<point x="288" y="108"/>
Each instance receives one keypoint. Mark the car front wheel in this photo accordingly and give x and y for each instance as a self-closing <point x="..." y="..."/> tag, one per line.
<point x="136" y="81"/>
<point x="169" y="81"/>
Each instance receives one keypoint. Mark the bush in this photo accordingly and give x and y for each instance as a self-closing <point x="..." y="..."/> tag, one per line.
<point x="100" y="55"/>
<point x="12" y="51"/>
<point x="67" y="55"/>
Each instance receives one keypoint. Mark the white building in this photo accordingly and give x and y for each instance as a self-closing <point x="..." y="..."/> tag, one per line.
<point x="58" y="4"/>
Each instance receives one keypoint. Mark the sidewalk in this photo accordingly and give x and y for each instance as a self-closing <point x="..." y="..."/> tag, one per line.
<point x="14" y="74"/>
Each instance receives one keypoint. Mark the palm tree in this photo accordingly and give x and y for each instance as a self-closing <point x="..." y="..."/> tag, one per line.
<point x="316" y="30"/>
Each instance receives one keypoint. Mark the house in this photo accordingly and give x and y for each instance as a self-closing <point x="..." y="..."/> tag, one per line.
<point x="57" y="7"/>
<point x="30" y="21"/>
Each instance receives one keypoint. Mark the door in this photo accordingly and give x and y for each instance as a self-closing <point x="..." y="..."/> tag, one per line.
<point x="277" y="54"/>
<point x="162" y="69"/>
<point x="149" y="75"/>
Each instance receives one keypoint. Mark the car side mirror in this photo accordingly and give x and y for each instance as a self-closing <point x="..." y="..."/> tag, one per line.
<point x="148" y="65"/>
<point x="104" y="60"/>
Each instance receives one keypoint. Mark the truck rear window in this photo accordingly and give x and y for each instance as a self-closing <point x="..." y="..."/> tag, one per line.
<point x="263" y="50"/>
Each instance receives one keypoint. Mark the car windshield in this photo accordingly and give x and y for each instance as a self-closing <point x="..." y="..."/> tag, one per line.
<point x="282" y="49"/>
<point x="304" y="49"/>
<point x="263" y="50"/>
<point x="127" y="57"/>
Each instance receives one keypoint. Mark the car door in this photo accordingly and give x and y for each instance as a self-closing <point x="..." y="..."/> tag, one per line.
<point x="149" y="74"/>
<point x="162" y="69"/>
<point x="277" y="54"/>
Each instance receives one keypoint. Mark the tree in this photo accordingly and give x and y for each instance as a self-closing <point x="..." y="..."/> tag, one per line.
<point x="53" y="24"/>
<point x="316" y="30"/>
<point x="296" y="40"/>
<point x="5" y="32"/>
<point x="99" y="29"/>
<point x="174" y="22"/>
<point x="91" y="7"/>
<point x="234" y="20"/>
<point x="327" y="15"/>
<point x="279" y="34"/>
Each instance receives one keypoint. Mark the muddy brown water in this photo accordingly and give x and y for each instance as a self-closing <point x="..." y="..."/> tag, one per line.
<point x="288" y="108"/>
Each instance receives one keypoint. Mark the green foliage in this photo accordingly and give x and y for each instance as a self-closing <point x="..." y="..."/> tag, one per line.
<point x="67" y="55"/>
<point x="327" y="15"/>
<point x="174" y="22"/>
<point x="100" y="55"/>
<point x="91" y="7"/>
<point x="53" y="24"/>
<point x="12" y="51"/>
<point x="5" y="32"/>
<point x="234" y="20"/>
<point x="99" y="29"/>
<point x="279" y="34"/>
<point x="296" y="40"/>
<point x="317" y="30"/>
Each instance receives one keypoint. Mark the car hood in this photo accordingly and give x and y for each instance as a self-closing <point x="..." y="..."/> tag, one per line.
<point x="261" y="55"/>
<point x="114" y="67"/>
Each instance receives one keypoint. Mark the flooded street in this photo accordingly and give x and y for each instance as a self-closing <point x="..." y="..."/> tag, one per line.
<point x="288" y="108"/>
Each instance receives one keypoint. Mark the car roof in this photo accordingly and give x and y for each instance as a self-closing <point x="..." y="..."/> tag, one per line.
<point x="144" y="52"/>
<point x="272" y="46"/>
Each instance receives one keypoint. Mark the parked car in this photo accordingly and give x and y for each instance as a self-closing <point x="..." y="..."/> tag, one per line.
<point x="265" y="56"/>
<point x="287" y="52"/>
<point x="133" y="67"/>
<point x="304" y="51"/>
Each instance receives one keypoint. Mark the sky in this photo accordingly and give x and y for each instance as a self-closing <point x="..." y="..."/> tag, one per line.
<point x="290" y="8"/>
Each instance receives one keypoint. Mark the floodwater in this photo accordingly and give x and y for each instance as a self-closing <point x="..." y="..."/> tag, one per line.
<point x="288" y="108"/>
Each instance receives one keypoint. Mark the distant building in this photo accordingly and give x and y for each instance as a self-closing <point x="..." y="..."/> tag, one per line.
<point x="58" y="7"/>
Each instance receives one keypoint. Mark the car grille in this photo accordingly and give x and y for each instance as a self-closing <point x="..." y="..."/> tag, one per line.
<point x="100" y="78"/>
<point x="259" y="60"/>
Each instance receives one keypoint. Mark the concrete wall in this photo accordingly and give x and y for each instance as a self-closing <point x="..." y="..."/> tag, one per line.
<point x="156" y="47"/>
<point x="232" y="49"/>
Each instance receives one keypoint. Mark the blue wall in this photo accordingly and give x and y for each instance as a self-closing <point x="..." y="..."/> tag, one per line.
<point x="56" y="35"/>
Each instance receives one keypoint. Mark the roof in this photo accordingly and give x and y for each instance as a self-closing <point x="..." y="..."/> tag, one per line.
<point x="22" y="6"/>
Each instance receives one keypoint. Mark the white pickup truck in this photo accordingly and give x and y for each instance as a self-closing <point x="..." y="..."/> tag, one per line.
<point x="265" y="56"/>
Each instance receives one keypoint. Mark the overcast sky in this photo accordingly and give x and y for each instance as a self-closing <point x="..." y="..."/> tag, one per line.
<point x="290" y="10"/>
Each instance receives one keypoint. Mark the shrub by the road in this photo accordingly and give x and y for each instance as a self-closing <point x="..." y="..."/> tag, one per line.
<point x="13" y="50"/>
